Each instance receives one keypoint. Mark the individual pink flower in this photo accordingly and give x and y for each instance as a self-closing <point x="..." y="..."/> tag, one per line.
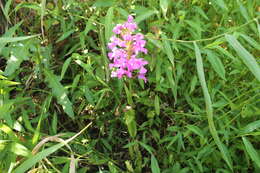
<point x="125" y="47"/>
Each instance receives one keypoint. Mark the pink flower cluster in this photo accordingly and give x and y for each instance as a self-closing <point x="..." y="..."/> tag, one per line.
<point x="125" y="46"/>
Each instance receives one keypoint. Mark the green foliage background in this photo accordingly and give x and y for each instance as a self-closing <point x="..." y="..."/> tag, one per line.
<point x="60" y="111"/>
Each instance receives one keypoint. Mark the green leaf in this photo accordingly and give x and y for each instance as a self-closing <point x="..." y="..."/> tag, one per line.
<point x="109" y="23"/>
<point x="157" y="105"/>
<point x="65" y="35"/>
<point x="209" y="110"/>
<point x="54" y="123"/>
<point x="251" y="41"/>
<point x="243" y="11"/>
<point x="195" y="130"/>
<point x="104" y="3"/>
<point x="6" y="9"/>
<point x="59" y="92"/>
<point x="221" y="4"/>
<point x="246" y="57"/>
<point x="65" y="67"/>
<point x="9" y="34"/>
<point x="168" y="49"/>
<point x="251" y="151"/>
<point x="130" y="122"/>
<point x="164" y="6"/>
<point x="15" y="39"/>
<point x="154" y="165"/>
<point x="19" y="149"/>
<point x="216" y="64"/>
<point x="144" y="16"/>
<point x="19" y="53"/>
<point x="128" y="95"/>
<point x="169" y="74"/>
<point x="251" y="127"/>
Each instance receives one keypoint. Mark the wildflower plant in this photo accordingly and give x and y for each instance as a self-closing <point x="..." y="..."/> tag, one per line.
<point x="125" y="48"/>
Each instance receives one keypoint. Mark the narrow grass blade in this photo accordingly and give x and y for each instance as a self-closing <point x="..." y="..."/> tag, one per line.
<point x="15" y="39"/>
<point x="251" y="151"/>
<point x="65" y="67"/>
<point x="154" y="165"/>
<point x="168" y="49"/>
<point x="9" y="33"/>
<point x="157" y="105"/>
<point x="209" y="109"/>
<point x="27" y="164"/>
<point x="251" y="127"/>
<point x="246" y="57"/>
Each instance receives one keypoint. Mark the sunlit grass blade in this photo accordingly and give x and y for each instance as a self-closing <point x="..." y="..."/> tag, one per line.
<point x="251" y="151"/>
<point x="154" y="165"/>
<point x="15" y="39"/>
<point x="251" y="127"/>
<point x="209" y="110"/>
<point x="246" y="57"/>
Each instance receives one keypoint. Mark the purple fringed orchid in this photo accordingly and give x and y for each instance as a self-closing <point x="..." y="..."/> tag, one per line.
<point x="125" y="47"/>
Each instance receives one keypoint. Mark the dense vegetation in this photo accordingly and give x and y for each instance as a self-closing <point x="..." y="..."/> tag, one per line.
<point x="60" y="110"/>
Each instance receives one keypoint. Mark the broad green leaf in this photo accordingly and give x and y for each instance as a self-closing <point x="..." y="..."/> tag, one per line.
<point x="209" y="110"/>
<point x="251" y="151"/>
<point x="154" y="165"/>
<point x="216" y="63"/>
<point x="59" y="92"/>
<point x="109" y="23"/>
<point x="246" y="57"/>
